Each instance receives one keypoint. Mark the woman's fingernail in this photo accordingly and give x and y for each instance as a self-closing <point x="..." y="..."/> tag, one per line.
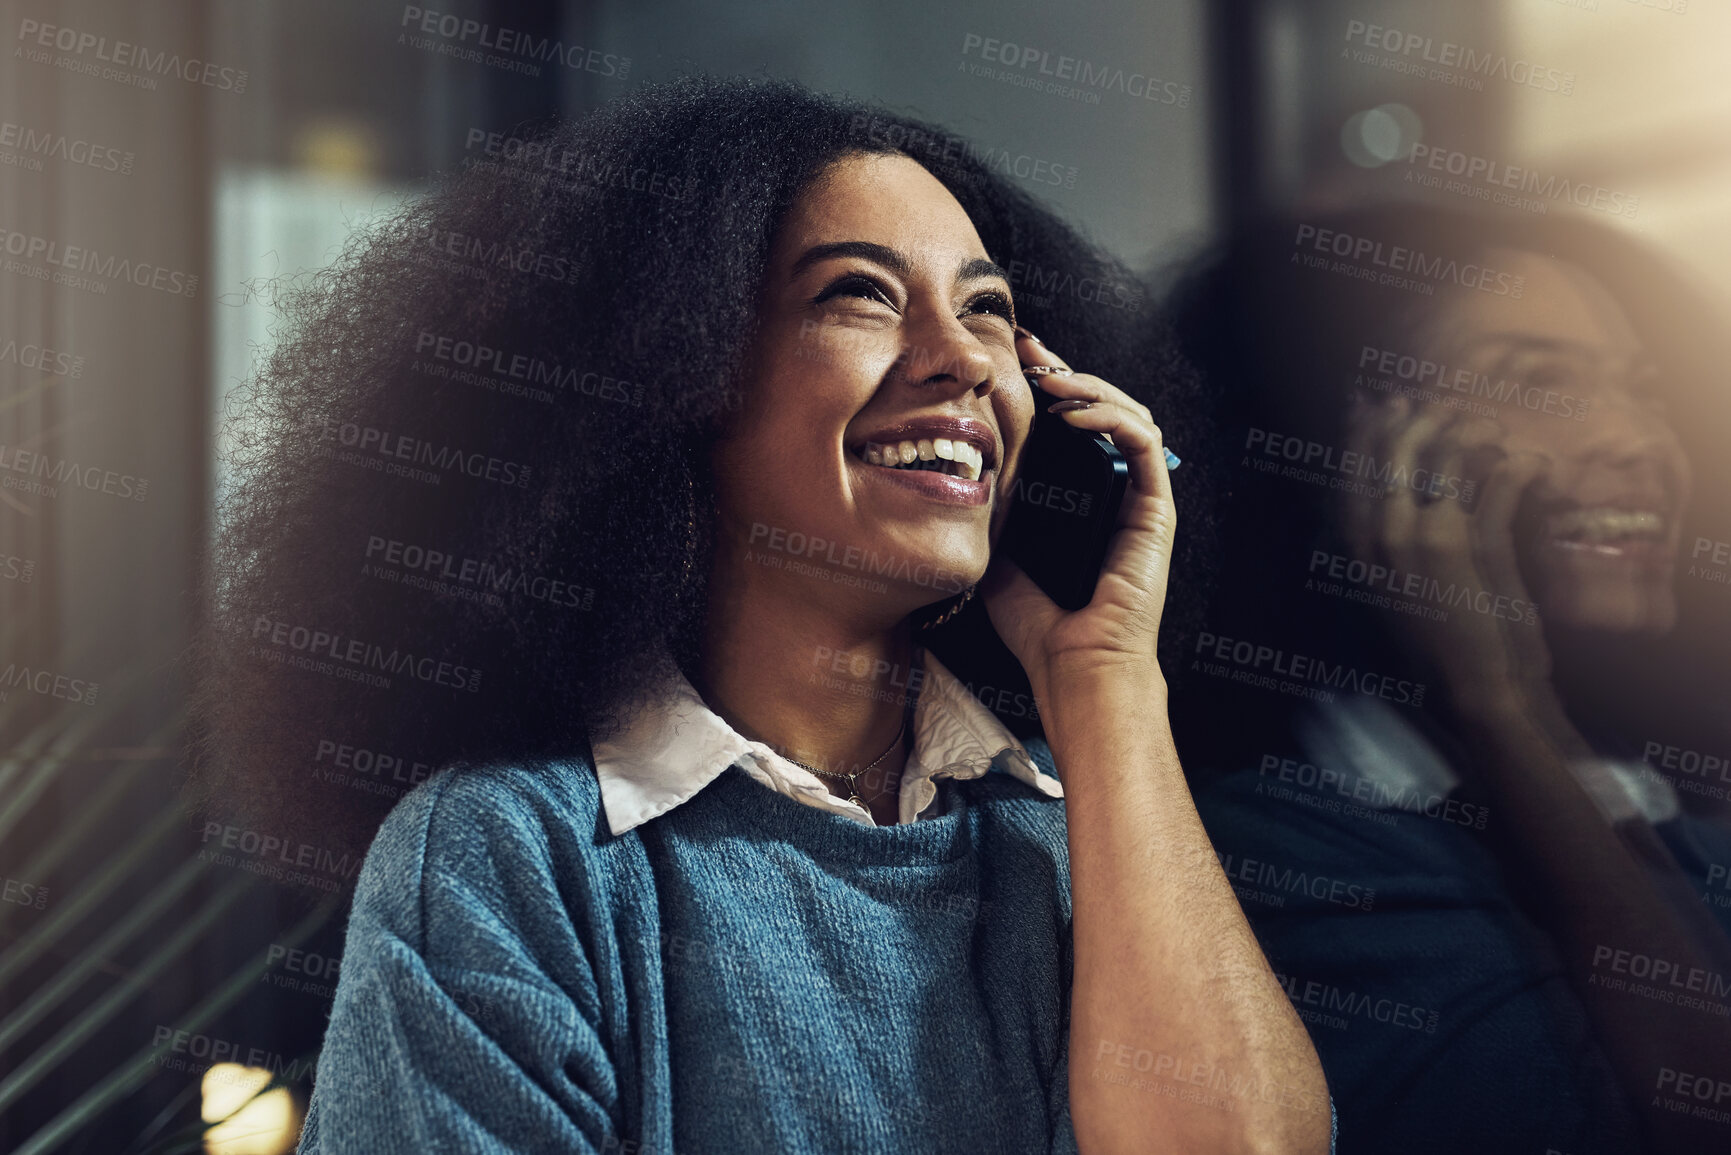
<point x="1173" y="461"/>
<point x="1043" y="370"/>
<point x="1069" y="406"/>
<point x="1023" y="332"/>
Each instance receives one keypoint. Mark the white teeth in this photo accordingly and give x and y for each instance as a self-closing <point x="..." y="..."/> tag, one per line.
<point x="969" y="461"/>
<point x="1604" y="524"/>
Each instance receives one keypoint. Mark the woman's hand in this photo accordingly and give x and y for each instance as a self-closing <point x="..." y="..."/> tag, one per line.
<point x="1164" y="962"/>
<point x="1117" y="630"/>
<point x="1460" y="538"/>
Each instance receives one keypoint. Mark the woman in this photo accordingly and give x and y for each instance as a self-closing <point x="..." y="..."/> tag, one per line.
<point x="1465" y="491"/>
<point x="695" y="879"/>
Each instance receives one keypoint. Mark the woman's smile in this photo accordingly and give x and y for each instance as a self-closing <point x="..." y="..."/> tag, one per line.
<point x="1611" y="530"/>
<point x="952" y="460"/>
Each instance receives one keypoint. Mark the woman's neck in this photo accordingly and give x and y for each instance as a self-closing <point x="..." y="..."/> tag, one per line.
<point x="816" y="685"/>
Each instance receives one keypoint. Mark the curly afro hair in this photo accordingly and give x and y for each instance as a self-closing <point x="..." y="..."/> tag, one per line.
<point x="471" y="502"/>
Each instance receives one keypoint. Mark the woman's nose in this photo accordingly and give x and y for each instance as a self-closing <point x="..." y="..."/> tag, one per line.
<point x="1626" y="426"/>
<point x="940" y="354"/>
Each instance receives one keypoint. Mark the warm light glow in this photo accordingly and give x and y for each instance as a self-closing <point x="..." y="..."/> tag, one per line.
<point x="1650" y="116"/>
<point x="267" y="1125"/>
<point x="337" y="148"/>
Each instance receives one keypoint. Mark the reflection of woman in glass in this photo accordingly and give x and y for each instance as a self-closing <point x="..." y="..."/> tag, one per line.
<point x="697" y="880"/>
<point x="1491" y="491"/>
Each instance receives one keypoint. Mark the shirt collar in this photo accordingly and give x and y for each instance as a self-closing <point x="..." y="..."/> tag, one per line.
<point x="675" y="745"/>
<point x="1365" y="739"/>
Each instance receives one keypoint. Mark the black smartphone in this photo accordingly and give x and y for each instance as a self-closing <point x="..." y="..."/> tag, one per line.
<point x="1064" y="506"/>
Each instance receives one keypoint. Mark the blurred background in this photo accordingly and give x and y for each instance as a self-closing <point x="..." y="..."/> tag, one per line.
<point x="160" y="163"/>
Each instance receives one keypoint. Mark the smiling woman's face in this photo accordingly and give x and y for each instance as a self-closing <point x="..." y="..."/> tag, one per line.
<point x="1600" y="542"/>
<point x="885" y="333"/>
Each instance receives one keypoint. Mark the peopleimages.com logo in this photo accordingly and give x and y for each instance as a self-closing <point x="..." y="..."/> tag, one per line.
<point x="1425" y="57"/>
<point x="1483" y="178"/>
<point x="1254" y="658"/>
<point x="1069" y="76"/>
<point x="1348" y="470"/>
<point x="1406" y="367"/>
<point x="84" y="267"/>
<point x="512" y="48"/>
<point x="331" y="651"/>
<point x="25" y="147"/>
<point x="1424" y="267"/>
<point x="36" y="35"/>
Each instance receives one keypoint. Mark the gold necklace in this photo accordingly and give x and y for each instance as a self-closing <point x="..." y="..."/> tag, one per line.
<point x="853" y="791"/>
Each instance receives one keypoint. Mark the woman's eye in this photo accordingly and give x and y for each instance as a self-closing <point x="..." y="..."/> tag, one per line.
<point x="995" y="304"/>
<point x="854" y="286"/>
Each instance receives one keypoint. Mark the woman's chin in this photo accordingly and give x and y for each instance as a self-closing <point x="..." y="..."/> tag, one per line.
<point x="942" y="582"/>
<point x="924" y="574"/>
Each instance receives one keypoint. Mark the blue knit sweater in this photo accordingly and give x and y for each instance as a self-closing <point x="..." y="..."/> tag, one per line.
<point x="743" y="974"/>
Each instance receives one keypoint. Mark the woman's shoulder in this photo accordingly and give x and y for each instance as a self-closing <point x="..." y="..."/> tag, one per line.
<point x="482" y="858"/>
<point x="509" y="808"/>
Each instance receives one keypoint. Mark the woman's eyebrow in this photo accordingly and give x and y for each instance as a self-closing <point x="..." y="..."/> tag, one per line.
<point x="892" y="259"/>
<point x="978" y="267"/>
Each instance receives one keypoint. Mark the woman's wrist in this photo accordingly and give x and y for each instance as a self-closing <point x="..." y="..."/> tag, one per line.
<point x="1080" y="695"/>
<point x="1520" y="739"/>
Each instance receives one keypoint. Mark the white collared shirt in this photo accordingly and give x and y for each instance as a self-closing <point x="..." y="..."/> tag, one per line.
<point x="1367" y="739"/>
<point x="677" y="745"/>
